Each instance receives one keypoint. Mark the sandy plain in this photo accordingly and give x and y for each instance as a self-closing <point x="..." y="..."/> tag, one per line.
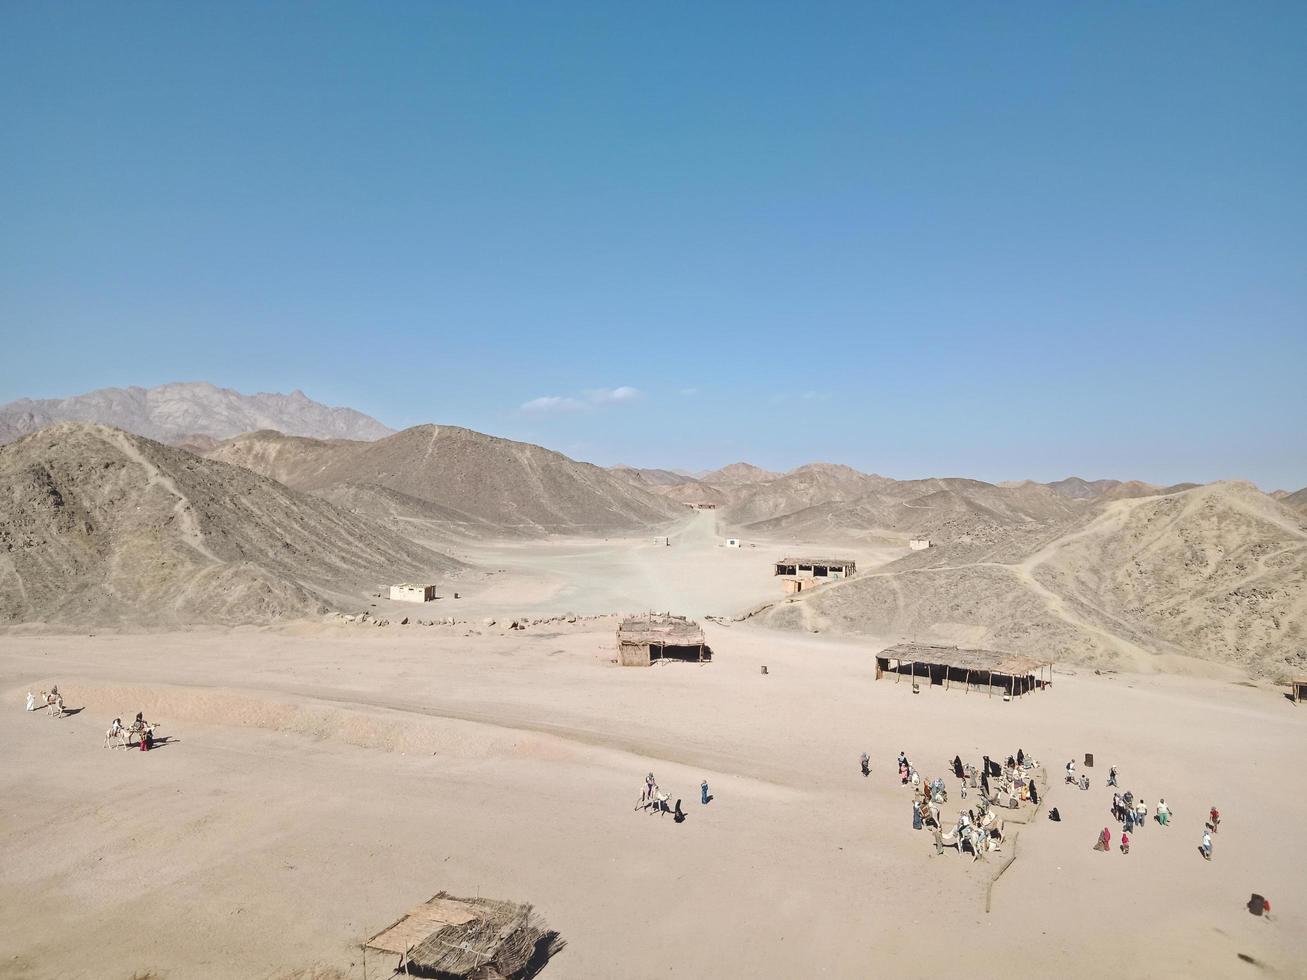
<point x="319" y="779"/>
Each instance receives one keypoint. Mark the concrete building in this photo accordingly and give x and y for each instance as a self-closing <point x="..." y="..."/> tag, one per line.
<point x="919" y="544"/>
<point x="732" y="542"/>
<point x="801" y="574"/>
<point x="412" y="593"/>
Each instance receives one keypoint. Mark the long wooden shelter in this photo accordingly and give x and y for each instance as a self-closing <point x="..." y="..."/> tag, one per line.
<point x="944" y="666"/>
<point x="660" y="636"/>
<point x="1298" y="689"/>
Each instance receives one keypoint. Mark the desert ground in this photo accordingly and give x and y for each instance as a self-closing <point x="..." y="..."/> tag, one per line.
<point x="318" y="779"/>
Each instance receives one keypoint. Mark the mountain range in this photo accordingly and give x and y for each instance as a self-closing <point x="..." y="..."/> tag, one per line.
<point x="190" y="412"/>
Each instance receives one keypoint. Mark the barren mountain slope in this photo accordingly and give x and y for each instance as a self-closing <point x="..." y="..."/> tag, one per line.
<point x="98" y="526"/>
<point x="510" y="485"/>
<point x="1217" y="572"/>
<point x="806" y="486"/>
<point x="964" y="519"/>
<point x="178" y="412"/>
<point x="1296" y="500"/>
<point x="651" y="477"/>
<point x="738" y="473"/>
<point x="1078" y="489"/>
<point x="1220" y="571"/>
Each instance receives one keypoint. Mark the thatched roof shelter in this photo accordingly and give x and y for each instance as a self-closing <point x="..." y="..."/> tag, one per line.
<point x="942" y="665"/>
<point x="659" y="636"/>
<point x="469" y="939"/>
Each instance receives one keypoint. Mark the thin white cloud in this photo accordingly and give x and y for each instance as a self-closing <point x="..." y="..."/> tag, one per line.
<point x="603" y="396"/>
<point x="592" y="398"/>
<point x="689" y="392"/>
<point x="553" y="403"/>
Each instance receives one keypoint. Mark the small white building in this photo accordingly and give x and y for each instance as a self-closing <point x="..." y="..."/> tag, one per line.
<point x="412" y="593"/>
<point x="919" y="544"/>
<point x="732" y="542"/>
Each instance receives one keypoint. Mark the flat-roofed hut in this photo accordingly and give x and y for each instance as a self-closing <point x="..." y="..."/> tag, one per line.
<point x="826" y="568"/>
<point x="468" y="939"/>
<point x="643" y="639"/>
<point x="945" y="666"/>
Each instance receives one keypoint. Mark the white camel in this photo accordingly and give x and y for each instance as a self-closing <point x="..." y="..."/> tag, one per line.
<point x="116" y="736"/>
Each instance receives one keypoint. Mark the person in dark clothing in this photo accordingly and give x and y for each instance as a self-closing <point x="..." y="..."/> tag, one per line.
<point x="1021" y="758"/>
<point x="984" y="783"/>
<point x="957" y="766"/>
<point x="866" y="764"/>
<point x="1034" y="793"/>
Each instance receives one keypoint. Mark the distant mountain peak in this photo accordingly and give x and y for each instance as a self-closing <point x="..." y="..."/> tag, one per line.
<point x="182" y="410"/>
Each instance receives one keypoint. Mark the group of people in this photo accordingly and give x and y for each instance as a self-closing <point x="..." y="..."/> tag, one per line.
<point x="51" y="700"/>
<point x="1014" y="783"/>
<point x="654" y="799"/>
<point x="1132" y="813"/>
<point x="142" y="729"/>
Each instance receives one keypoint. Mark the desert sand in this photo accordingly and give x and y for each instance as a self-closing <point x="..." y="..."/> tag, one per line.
<point x="321" y="778"/>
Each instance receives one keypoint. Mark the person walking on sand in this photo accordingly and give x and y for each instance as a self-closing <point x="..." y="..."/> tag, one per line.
<point x="703" y="793"/>
<point x="1111" y="776"/>
<point x="1125" y="843"/>
<point x="1141" y="813"/>
<point x="1163" y="813"/>
<point x="1104" y="841"/>
<point x="1214" y="819"/>
<point x="866" y="764"/>
<point x="1071" y="771"/>
<point x="1206" y="845"/>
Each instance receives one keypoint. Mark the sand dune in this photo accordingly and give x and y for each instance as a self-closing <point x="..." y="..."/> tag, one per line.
<point x="101" y="527"/>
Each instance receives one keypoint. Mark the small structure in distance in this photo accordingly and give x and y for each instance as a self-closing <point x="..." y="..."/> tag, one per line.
<point x="702" y="506"/>
<point x="409" y="592"/>
<point x="732" y="542"/>
<point x="641" y="640"/>
<point x="468" y="937"/>
<point x="919" y="544"/>
<point x="799" y="574"/>
<point x="1298" y="690"/>
<point x="1013" y="673"/>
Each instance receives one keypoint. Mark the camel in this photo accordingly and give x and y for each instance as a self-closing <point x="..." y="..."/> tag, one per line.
<point x="658" y="801"/>
<point x="116" y="736"/>
<point x="54" y="703"/>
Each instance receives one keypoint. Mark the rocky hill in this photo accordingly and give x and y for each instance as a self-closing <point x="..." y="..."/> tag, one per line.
<point x="502" y="485"/>
<point x="1217" y="572"/>
<point x="189" y="413"/>
<point x="100" y="526"/>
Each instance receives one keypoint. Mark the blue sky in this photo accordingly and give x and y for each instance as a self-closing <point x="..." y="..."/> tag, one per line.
<point x="1002" y="241"/>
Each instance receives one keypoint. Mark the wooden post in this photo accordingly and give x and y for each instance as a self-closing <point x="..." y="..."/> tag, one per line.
<point x="968" y="680"/>
<point x="989" y="676"/>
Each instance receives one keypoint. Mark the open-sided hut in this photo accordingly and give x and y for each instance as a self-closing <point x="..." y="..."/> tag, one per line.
<point x="1298" y="689"/>
<point x="469" y="939"/>
<point x="659" y="636"/>
<point x="945" y="666"/>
